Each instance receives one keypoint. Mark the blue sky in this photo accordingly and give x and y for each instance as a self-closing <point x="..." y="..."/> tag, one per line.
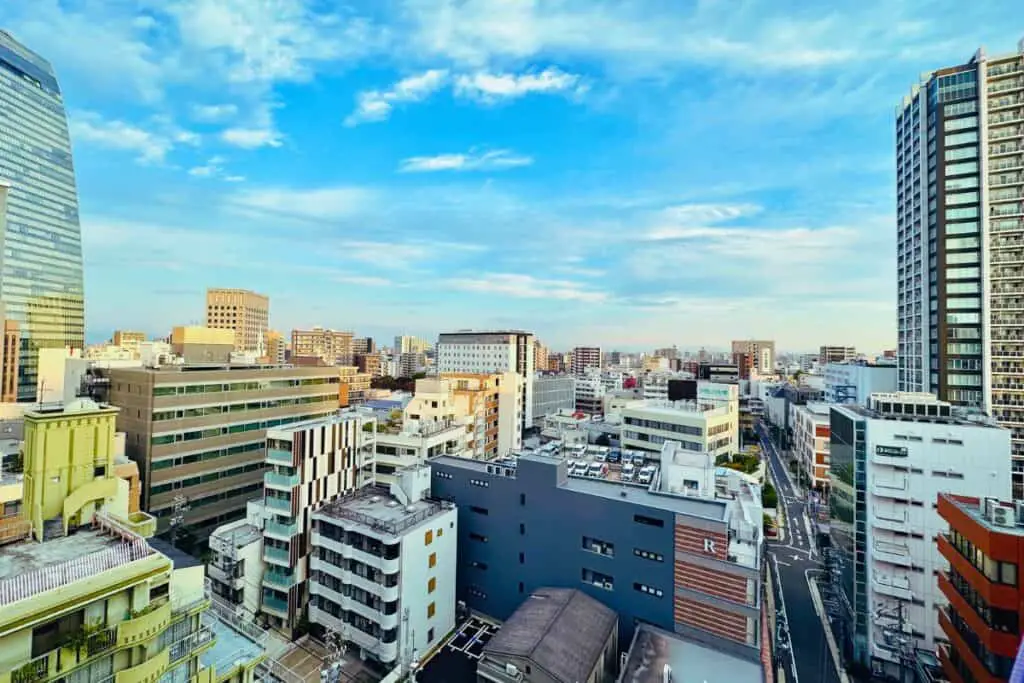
<point x="632" y="174"/>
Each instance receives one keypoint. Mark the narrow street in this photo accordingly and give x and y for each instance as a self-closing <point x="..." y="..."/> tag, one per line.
<point x="794" y="562"/>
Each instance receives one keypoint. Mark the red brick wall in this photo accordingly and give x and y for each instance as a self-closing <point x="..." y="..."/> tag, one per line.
<point x="710" y="582"/>
<point x="711" y="619"/>
<point x="692" y="540"/>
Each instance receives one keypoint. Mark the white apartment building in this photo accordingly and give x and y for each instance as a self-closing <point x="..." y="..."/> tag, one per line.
<point x="235" y="571"/>
<point x="586" y="358"/>
<point x="552" y="393"/>
<point x="855" y="381"/>
<point x="590" y="391"/>
<point x="413" y="442"/>
<point x="384" y="564"/>
<point x="655" y="384"/>
<point x="310" y="463"/>
<point x="409" y="344"/>
<point x="889" y="462"/>
<point x="810" y="441"/>
<point x="492" y="353"/>
<point x="696" y="426"/>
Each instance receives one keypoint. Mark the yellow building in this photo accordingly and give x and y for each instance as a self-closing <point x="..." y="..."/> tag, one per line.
<point x="89" y="599"/>
<point x="196" y="344"/>
<point x="356" y="382"/>
<point x="245" y="313"/>
<point x="128" y="340"/>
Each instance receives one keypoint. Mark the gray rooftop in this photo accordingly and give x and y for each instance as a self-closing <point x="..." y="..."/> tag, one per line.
<point x="561" y="630"/>
<point x="654" y="649"/>
<point x="230" y="649"/>
<point x="376" y="509"/>
<point x="28" y="556"/>
<point x="241" y="535"/>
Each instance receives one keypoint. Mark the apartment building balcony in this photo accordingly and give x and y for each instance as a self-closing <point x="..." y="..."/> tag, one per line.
<point x="278" y="504"/>
<point x="1003" y="257"/>
<point x="1005" y="84"/>
<point x="275" y="605"/>
<point x="222" y="576"/>
<point x="1003" y="149"/>
<point x="371" y="556"/>
<point x="61" y="661"/>
<point x="278" y="556"/>
<point x="1004" y="102"/>
<point x="284" y="482"/>
<point x="892" y="553"/>
<point x="150" y="670"/>
<point x="1007" y="273"/>
<point x="1007" y="385"/>
<point x="1007" y="304"/>
<point x="276" y="456"/>
<point x="1006" y="180"/>
<point x="282" y="530"/>
<point x="894" y="586"/>
<point x="1007" y="133"/>
<point x="280" y="578"/>
<point x="1003" y="70"/>
<point x="368" y="584"/>
<point x="144" y="626"/>
<point x="385" y="651"/>
<point x="1014" y="320"/>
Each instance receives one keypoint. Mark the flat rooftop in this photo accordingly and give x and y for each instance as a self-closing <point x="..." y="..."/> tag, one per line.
<point x="333" y="418"/>
<point x="377" y="509"/>
<point x="29" y="568"/>
<point x="653" y="649"/>
<point x="974" y="511"/>
<point x="230" y="648"/>
<point x="239" y="535"/>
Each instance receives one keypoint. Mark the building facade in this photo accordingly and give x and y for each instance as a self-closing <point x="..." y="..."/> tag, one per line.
<point x="811" y="443"/>
<point x="985" y="611"/>
<point x="198" y="433"/>
<point x="854" y="382"/>
<point x="194" y="344"/>
<point x="761" y="354"/>
<point x="244" y="312"/>
<point x="384" y="563"/>
<point x="540" y="357"/>
<point x="585" y="358"/>
<point x="41" y="281"/>
<point x="330" y="346"/>
<point x="959" y="219"/>
<point x="128" y="340"/>
<point x="698" y="426"/>
<point x="492" y="352"/>
<point x="889" y="462"/>
<point x="688" y="564"/>
<point x="277" y="348"/>
<point x="9" y="355"/>
<point x="309" y="464"/>
<point x="836" y="354"/>
<point x="551" y="394"/>
<point x="409" y="344"/>
<point x="589" y="392"/>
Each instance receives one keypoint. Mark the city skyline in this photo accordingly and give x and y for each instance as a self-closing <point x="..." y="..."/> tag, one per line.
<point x="734" y="184"/>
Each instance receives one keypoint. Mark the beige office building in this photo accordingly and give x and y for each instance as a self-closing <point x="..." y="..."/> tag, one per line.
<point x="129" y="340"/>
<point x="244" y="312"/>
<point x="330" y="346"/>
<point x="276" y="348"/>
<point x="202" y="344"/>
<point x="199" y="432"/>
<point x="761" y="353"/>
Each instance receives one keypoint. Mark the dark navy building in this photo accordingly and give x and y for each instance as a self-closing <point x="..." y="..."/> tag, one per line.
<point x="665" y="559"/>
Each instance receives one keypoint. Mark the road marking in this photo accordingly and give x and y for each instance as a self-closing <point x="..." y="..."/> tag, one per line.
<point x="782" y="599"/>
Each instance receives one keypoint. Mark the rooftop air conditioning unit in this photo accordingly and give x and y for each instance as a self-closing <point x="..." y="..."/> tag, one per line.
<point x="1004" y="515"/>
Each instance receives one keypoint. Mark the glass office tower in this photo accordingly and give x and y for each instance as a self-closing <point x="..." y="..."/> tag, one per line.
<point x="41" y="267"/>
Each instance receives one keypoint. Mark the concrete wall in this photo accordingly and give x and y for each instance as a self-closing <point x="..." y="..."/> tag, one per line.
<point x="532" y="536"/>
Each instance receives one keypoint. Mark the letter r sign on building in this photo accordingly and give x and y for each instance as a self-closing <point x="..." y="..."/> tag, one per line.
<point x="709" y="546"/>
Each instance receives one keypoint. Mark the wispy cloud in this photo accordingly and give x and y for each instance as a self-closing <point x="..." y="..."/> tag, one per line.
<point x="527" y="287"/>
<point x="151" y="145"/>
<point x="376" y="105"/>
<point x="214" y="113"/>
<point x="214" y="168"/>
<point x="495" y="87"/>
<point x="252" y="138"/>
<point x="492" y="160"/>
<point x="327" y="203"/>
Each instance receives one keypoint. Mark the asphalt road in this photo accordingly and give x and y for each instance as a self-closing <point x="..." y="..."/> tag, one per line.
<point x="793" y="563"/>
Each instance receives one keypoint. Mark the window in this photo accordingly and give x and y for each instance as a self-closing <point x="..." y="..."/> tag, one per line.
<point x="963" y="243"/>
<point x="648" y="555"/>
<point x="595" y="545"/>
<point x="430" y="635"/>
<point x="520" y="586"/>
<point x="479" y="510"/>
<point x="440" y="532"/>
<point x="522" y="529"/>
<point x="598" y="579"/>
<point x="99" y="471"/>
<point x="649" y="590"/>
<point x="648" y="521"/>
<point x="431" y="585"/>
<point x="431" y="610"/>
<point x="522" y="499"/>
<point x="428" y="537"/>
<point x="522" y="558"/>
<point x="432" y="561"/>
<point x="477" y="537"/>
<point x="961" y="257"/>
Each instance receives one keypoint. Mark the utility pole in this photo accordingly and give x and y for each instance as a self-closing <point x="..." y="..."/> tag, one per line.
<point x="179" y="507"/>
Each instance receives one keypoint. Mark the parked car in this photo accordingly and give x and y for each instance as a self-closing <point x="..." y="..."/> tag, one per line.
<point x="628" y="471"/>
<point x="597" y="469"/>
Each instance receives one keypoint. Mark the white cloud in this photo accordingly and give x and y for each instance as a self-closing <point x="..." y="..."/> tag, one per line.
<point x="317" y="204"/>
<point x="214" y="113"/>
<point x="252" y="138"/>
<point x="90" y="128"/>
<point x="214" y="168"/>
<point x="364" y="280"/>
<point x="493" y="160"/>
<point x="493" y="87"/>
<point x="234" y="178"/>
<point x="376" y="105"/>
<point x="527" y="287"/>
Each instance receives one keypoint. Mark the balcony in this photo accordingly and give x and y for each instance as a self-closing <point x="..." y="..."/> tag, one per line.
<point x="221" y="575"/>
<point x="279" y="457"/>
<point x="892" y="553"/>
<point x="385" y="593"/>
<point x="278" y="504"/>
<point x="150" y="670"/>
<point x="279" y="578"/>
<point x="144" y="626"/>
<point x="283" y="531"/>
<point x="281" y="481"/>
<point x="350" y="552"/>
<point x="893" y="586"/>
<point x="276" y="605"/>
<point x="276" y="555"/>
<point x="893" y="521"/>
<point x="63" y="660"/>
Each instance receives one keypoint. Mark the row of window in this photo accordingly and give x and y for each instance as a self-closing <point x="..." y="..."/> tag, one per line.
<point x="994" y="570"/>
<point x="211" y="432"/>
<point x="206" y="478"/>
<point x="261" y="385"/>
<point x="221" y="409"/>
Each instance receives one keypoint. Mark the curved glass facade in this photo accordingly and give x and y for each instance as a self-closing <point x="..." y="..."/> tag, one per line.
<point x="41" y="268"/>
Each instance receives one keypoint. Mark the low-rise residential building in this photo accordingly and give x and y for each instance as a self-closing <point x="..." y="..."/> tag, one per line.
<point x="552" y="393"/>
<point x="589" y="391"/>
<point x="235" y="569"/>
<point x="408" y="443"/>
<point x="557" y="635"/>
<point x="698" y="425"/>
<point x="494" y="409"/>
<point x="356" y="382"/>
<point x="585" y="358"/>
<point x="309" y="464"/>
<point x="889" y="461"/>
<point x="198" y="433"/>
<point x="384" y="563"/>
<point x="836" y="354"/>
<point x="983" y="618"/>
<point x="855" y="381"/>
<point x="811" y="442"/>
<point x="668" y="552"/>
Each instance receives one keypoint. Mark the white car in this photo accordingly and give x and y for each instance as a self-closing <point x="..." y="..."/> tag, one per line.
<point x="628" y="471"/>
<point x="597" y="469"/>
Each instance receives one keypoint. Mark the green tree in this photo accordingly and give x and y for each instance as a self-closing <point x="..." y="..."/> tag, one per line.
<point x="769" y="497"/>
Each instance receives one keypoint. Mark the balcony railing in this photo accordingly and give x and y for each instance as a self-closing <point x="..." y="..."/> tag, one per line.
<point x="275" y="604"/>
<point x="278" y="504"/>
<point x="275" y="455"/>
<point x="272" y="553"/>
<point x="281" y="530"/>
<point x="280" y="578"/>
<point x="284" y="481"/>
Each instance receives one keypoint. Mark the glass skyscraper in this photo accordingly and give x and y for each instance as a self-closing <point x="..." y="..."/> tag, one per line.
<point x="41" y="268"/>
